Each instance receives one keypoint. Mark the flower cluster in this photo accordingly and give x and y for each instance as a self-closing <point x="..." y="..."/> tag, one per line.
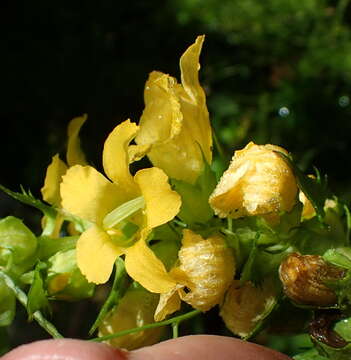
<point x="175" y="235"/>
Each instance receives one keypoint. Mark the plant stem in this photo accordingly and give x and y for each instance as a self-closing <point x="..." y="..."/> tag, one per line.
<point x="171" y="321"/>
<point x="38" y="316"/>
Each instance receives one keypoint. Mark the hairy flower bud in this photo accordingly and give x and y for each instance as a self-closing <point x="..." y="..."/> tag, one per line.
<point x="257" y="182"/>
<point x="206" y="269"/>
<point x="209" y="266"/>
<point x="304" y="278"/>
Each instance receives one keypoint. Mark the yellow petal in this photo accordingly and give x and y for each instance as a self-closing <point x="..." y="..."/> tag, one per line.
<point x="162" y="203"/>
<point x="96" y="254"/>
<point x="168" y="304"/>
<point x="75" y="155"/>
<point x="51" y="189"/>
<point x="88" y="194"/>
<point x="116" y="158"/>
<point x="137" y="152"/>
<point x="176" y="121"/>
<point x="144" y="267"/>
<point x="194" y="103"/>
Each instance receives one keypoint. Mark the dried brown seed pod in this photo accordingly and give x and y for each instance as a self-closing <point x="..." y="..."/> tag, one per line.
<point x="244" y="306"/>
<point x="304" y="278"/>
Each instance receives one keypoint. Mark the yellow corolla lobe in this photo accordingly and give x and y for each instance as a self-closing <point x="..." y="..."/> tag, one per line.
<point x="175" y="122"/>
<point x="257" y="182"/>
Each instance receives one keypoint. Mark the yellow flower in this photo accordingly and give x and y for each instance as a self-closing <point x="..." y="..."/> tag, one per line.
<point x="122" y="212"/>
<point x="57" y="168"/>
<point x="257" y="182"/>
<point x="51" y="189"/>
<point x="175" y="122"/>
<point x="206" y="268"/>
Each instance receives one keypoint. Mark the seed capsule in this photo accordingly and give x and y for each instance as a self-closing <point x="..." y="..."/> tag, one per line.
<point x="304" y="277"/>
<point x="244" y="306"/>
<point x="257" y="182"/>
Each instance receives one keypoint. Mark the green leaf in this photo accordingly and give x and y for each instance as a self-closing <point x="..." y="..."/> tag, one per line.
<point x="118" y="289"/>
<point x="7" y="304"/>
<point x="49" y="246"/>
<point x="22" y="298"/>
<point x="195" y="207"/>
<point x="28" y="199"/>
<point x="37" y="299"/>
<point x="311" y="354"/>
<point x="339" y="257"/>
<point x="315" y="189"/>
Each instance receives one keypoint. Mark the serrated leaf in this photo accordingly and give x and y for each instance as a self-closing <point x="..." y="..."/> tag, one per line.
<point x="28" y="199"/>
<point x="37" y="299"/>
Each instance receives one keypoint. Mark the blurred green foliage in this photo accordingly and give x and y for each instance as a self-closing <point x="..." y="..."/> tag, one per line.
<point x="279" y="71"/>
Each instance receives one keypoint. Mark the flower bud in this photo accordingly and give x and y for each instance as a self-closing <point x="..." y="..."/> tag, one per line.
<point x="135" y="309"/>
<point x="244" y="306"/>
<point x="209" y="265"/>
<point x="304" y="278"/>
<point x="206" y="269"/>
<point x="257" y="182"/>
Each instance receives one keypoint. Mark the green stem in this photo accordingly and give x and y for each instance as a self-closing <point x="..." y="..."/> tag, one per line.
<point x="117" y="291"/>
<point x="177" y="319"/>
<point x="175" y="328"/>
<point x="38" y="316"/>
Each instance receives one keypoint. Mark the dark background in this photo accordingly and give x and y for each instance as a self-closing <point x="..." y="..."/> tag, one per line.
<point x="277" y="71"/>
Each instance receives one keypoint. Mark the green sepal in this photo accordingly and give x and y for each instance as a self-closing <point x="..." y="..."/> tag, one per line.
<point x="37" y="298"/>
<point x="118" y="289"/>
<point x="314" y="189"/>
<point x="195" y="207"/>
<point x="17" y="243"/>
